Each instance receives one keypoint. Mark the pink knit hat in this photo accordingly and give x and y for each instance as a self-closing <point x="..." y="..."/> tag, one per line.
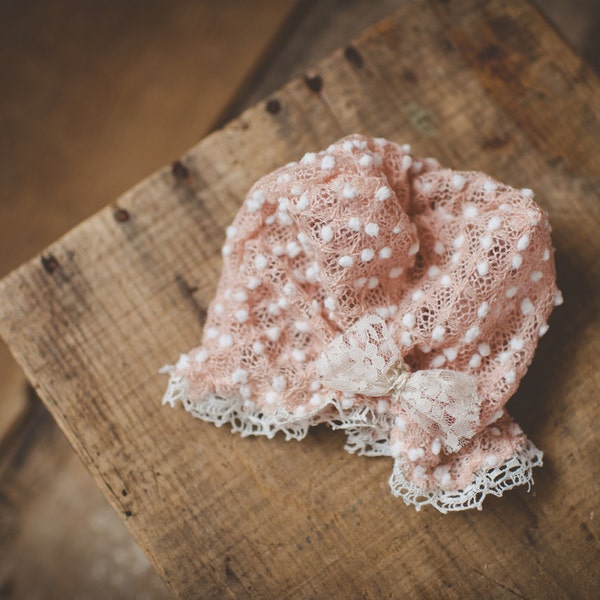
<point x="380" y="293"/>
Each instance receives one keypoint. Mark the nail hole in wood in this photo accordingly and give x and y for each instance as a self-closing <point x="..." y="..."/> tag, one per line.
<point x="179" y="171"/>
<point x="50" y="264"/>
<point x="121" y="215"/>
<point x="314" y="82"/>
<point x="353" y="56"/>
<point x="273" y="106"/>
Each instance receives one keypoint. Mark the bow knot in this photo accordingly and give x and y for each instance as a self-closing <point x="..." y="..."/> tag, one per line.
<point x="365" y="360"/>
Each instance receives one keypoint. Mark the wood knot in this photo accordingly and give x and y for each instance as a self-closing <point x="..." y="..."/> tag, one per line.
<point x="495" y="142"/>
<point x="491" y="52"/>
<point x="410" y="76"/>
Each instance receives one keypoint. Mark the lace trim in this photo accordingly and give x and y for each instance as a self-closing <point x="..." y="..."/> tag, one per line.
<point x="220" y="411"/>
<point x="514" y="472"/>
<point x="369" y="441"/>
<point x="367" y="435"/>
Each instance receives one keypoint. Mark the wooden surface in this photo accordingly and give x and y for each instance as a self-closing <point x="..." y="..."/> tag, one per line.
<point x="107" y="88"/>
<point x="59" y="538"/>
<point x="95" y="96"/>
<point x="486" y="86"/>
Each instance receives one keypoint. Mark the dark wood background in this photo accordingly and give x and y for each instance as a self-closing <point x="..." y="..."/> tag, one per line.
<point x="99" y="98"/>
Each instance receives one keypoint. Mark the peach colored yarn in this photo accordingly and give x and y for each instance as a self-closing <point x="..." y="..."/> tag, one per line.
<point x="460" y="268"/>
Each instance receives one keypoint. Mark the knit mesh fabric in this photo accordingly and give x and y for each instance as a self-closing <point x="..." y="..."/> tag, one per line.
<point x="459" y="266"/>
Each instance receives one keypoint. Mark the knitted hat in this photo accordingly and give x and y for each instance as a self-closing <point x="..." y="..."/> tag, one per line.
<point x="380" y="293"/>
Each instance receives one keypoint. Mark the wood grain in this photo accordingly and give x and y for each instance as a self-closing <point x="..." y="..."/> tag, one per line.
<point x="479" y="85"/>
<point x="114" y="87"/>
<point x="59" y="538"/>
<point x="319" y="28"/>
<point x="91" y="89"/>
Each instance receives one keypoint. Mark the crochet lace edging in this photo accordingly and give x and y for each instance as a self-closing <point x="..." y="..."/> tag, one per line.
<point x="516" y="471"/>
<point x="219" y="410"/>
<point x="363" y="438"/>
<point x="369" y="441"/>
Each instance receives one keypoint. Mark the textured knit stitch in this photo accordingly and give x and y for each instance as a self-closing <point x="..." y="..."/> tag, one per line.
<point x="458" y="266"/>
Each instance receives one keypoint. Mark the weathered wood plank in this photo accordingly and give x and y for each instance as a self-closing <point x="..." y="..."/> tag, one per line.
<point x="85" y="75"/>
<point x="480" y="85"/>
<point x="320" y="27"/>
<point x="83" y="84"/>
<point x="59" y="537"/>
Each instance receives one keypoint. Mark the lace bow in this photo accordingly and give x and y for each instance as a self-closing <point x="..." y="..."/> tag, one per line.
<point x="365" y="360"/>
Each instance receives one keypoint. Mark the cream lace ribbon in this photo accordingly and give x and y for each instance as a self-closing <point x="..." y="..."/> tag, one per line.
<point x="365" y="360"/>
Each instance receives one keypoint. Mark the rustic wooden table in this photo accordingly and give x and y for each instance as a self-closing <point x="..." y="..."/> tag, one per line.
<point x="486" y="86"/>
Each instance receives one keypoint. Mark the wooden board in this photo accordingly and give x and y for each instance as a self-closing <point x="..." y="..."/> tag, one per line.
<point x="94" y="76"/>
<point x="479" y="85"/>
<point x="84" y="84"/>
<point x="59" y="538"/>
